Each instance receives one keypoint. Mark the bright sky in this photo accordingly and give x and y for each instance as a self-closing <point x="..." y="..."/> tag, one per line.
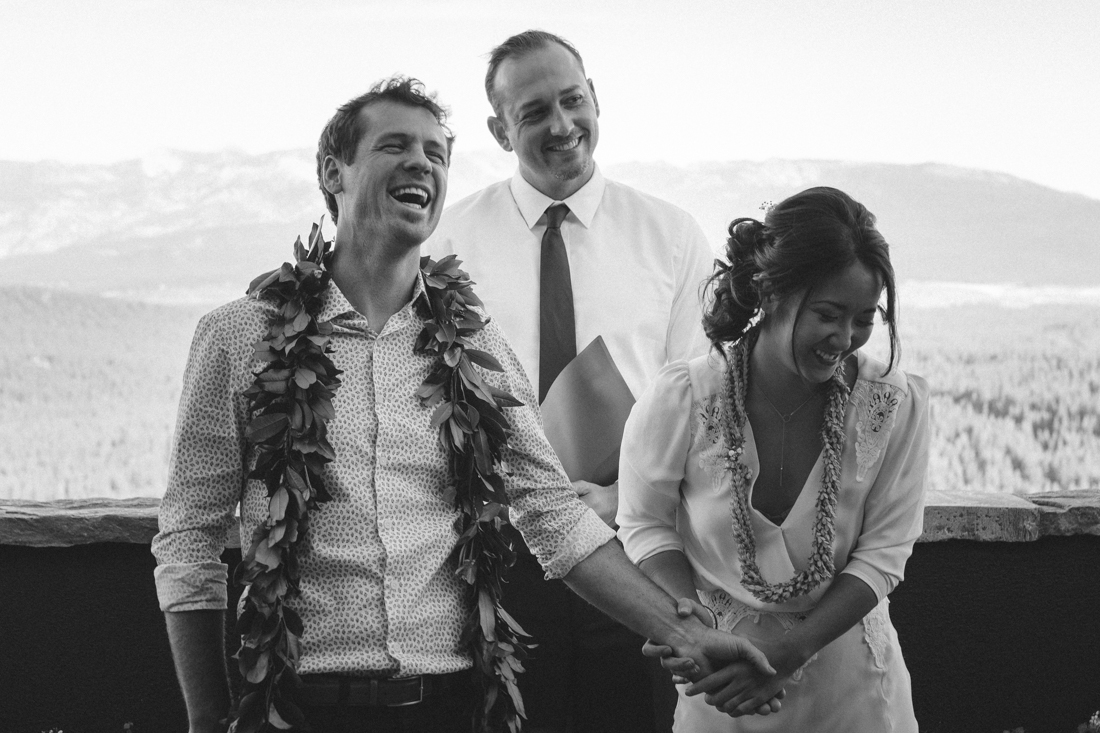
<point x="1003" y="85"/>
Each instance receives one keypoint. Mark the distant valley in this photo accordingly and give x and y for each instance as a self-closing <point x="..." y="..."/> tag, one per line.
<point x="104" y="271"/>
<point x="196" y="227"/>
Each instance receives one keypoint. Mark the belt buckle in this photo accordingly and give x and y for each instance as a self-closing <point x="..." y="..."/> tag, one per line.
<point x="419" y="698"/>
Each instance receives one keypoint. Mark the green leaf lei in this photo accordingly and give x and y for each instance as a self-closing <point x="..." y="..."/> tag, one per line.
<point x="820" y="566"/>
<point x="290" y="404"/>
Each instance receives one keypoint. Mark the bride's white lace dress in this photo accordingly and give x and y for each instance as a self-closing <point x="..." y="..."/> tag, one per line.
<point x="674" y="494"/>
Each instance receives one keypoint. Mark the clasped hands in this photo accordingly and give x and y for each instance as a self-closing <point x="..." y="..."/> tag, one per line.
<point x="735" y="676"/>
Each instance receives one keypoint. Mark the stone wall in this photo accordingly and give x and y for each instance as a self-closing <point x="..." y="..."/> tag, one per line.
<point x="998" y="616"/>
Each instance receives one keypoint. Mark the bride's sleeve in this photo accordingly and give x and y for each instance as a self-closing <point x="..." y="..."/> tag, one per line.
<point x="893" y="517"/>
<point x="654" y="452"/>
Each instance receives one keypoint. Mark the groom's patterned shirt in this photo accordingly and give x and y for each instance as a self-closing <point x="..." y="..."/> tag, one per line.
<point x="379" y="590"/>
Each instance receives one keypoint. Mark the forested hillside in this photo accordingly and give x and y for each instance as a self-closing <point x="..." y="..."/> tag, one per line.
<point x="88" y="393"/>
<point x="1016" y="395"/>
<point x="89" y="387"/>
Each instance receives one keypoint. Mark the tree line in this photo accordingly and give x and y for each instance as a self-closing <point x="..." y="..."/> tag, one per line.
<point x="89" y="389"/>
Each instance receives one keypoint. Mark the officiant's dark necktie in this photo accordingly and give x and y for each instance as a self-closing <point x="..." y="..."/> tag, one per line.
<point x="557" y="329"/>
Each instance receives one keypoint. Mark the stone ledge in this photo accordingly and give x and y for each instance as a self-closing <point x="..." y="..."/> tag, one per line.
<point x="986" y="517"/>
<point x="1068" y="512"/>
<point x="948" y="515"/>
<point x="71" y="522"/>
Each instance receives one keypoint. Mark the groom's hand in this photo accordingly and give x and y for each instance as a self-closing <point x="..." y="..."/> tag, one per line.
<point x="747" y="660"/>
<point x="739" y="689"/>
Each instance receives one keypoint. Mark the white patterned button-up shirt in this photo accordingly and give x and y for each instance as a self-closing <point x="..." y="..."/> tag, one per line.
<point x="379" y="590"/>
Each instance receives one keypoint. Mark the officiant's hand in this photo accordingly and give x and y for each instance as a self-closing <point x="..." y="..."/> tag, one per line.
<point x="604" y="500"/>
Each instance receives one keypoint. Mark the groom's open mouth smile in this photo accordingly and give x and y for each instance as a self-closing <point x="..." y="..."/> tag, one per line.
<point x="415" y="197"/>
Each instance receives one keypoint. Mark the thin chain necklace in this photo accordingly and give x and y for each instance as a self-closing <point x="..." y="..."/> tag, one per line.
<point x="783" y="441"/>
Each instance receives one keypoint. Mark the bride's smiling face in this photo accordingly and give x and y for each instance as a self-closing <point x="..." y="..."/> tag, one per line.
<point x="837" y="319"/>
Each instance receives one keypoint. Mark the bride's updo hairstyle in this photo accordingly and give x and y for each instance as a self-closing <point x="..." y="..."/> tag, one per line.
<point x="803" y="240"/>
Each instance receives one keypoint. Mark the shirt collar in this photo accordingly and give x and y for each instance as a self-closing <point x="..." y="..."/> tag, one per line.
<point x="334" y="304"/>
<point x="533" y="203"/>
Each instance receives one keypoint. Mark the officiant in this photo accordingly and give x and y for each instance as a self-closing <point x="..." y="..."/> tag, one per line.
<point x="561" y="256"/>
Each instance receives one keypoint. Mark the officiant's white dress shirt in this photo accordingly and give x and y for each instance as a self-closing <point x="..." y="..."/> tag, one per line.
<point x="637" y="265"/>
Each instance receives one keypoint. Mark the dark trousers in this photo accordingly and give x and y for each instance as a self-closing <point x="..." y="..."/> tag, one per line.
<point x="587" y="674"/>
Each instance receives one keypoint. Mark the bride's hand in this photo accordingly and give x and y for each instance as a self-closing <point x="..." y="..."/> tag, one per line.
<point x="739" y="689"/>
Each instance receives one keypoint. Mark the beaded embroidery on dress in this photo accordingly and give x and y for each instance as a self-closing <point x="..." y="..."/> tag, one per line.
<point x="876" y="409"/>
<point x="731" y="612"/>
<point x="875" y="632"/>
<point x="706" y="432"/>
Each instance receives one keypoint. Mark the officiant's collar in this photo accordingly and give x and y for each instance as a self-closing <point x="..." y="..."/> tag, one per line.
<point x="532" y="203"/>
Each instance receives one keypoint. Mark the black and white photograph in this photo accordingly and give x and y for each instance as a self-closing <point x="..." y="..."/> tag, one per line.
<point x="469" y="366"/>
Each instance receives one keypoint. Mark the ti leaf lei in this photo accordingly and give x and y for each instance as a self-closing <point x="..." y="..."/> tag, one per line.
<point x="290" y="404"/>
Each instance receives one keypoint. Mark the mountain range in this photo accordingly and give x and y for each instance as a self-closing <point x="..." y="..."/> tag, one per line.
<point x="196" y="227"/>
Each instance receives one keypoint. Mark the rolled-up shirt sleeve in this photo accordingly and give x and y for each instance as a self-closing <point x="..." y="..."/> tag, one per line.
<point x="205" y="477"/>
<point x="559" y="528"/>
<point x="894" y="511"/>
<point x="651" y="465"/>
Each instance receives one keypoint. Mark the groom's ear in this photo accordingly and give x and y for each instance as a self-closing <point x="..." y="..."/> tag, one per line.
<point x="330" y="175"/>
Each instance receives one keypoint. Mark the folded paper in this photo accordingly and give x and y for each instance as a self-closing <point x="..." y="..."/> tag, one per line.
<point x="584" y="414"/>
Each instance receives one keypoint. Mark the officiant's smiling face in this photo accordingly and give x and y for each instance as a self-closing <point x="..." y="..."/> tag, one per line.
<point x="547" y="113"/>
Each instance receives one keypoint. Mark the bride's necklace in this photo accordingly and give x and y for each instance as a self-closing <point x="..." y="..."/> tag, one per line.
<point x="784" y="420"/>
<point x="820" y="565"/>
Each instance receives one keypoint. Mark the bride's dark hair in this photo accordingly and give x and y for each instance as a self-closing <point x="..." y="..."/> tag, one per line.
<point x="802" y="241"/>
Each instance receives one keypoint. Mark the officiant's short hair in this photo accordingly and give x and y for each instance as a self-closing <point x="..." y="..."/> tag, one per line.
<point x="519" y="46"/>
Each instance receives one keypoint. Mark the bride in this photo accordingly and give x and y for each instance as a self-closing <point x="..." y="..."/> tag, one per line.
<point x="778" y="482"/>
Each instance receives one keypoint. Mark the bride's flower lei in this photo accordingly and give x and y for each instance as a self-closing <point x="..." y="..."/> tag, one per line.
<point x="290" y="405"/>
<point x="820" y="566"/>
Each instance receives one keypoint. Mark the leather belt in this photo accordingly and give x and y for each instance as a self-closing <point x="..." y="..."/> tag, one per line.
<point x="321" y="690"/>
